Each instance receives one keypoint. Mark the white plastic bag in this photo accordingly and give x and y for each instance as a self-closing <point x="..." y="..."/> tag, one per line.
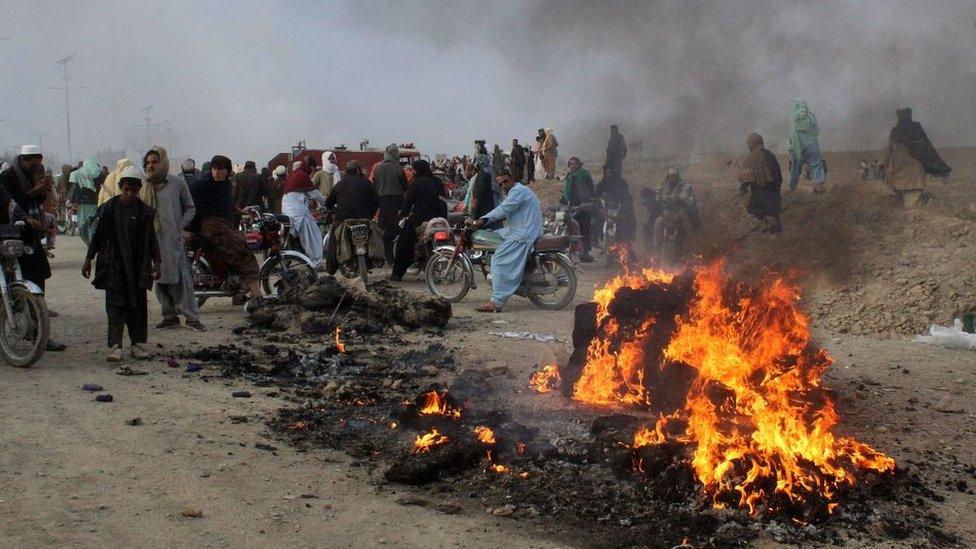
<point x="950" y="338"/>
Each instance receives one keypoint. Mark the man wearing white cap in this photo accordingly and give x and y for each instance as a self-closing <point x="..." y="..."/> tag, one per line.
<point x="127" y="259"/>
<point x="28" y="193"/>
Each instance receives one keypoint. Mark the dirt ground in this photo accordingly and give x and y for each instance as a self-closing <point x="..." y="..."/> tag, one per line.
<point x="74" y="473"/>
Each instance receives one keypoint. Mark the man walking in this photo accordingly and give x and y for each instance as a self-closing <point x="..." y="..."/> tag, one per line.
<point x="174" y="213"/>
<point x="390" y="183"/>
<point x="616" y="151"/>
<point x="126" y="262"/>
<point x="517" y="161"/>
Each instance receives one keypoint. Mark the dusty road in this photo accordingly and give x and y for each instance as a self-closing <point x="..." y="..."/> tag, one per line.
<point x="73" y="473"/>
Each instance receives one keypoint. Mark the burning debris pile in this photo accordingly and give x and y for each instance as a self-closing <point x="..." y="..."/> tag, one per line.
<point x="735" y="381"/>
<point x="313" y="310"/>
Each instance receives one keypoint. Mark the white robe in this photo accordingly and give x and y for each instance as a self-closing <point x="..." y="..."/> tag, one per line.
<point x="303" y="225"/>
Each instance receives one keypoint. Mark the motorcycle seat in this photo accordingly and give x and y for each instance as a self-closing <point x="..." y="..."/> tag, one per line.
<point x="552" y="242"/>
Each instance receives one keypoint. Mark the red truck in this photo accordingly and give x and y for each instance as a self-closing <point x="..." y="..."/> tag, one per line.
<point x="369" y="158"/>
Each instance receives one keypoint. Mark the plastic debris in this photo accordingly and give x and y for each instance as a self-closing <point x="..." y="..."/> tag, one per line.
<point x="949" y="337"/>
<point x="530" y="336"/>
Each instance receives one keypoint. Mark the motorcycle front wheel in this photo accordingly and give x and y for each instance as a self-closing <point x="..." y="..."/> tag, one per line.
<point x="447" y="277"/>
<point x="554" y="270"/>
<point x="281" y="273"/>
<point x="24" y="337"/>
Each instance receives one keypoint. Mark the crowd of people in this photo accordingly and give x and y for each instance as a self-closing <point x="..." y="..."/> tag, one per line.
<point x="136" y="219"/>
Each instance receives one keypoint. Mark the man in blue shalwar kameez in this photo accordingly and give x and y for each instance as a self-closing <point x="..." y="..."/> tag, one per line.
<point x="523" y="212"/>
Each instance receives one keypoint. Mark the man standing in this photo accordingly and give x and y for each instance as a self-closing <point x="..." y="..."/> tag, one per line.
<point x="805" y="147"/>
<point x="524" y="214"/>
<point x="329" y="175"/>
<point x="174" y="213"/>
<point x="907" y="158"/>
<point x="549" y="153"/>
<point x="27" y="194"/>
<point x="529" y="165"/>
<point x="497" y="159"/>
<point x="390" y="183"/>
<point x="247" y="190"/>
<point x="275" y="188"/>
<point x="578" y="193"/>
<point x="616" y="151"/>
<point x="83" y="197"/>
<point x="189" y="171"/>
<point x="517" y="161"/>
<point x="126" y="262"/>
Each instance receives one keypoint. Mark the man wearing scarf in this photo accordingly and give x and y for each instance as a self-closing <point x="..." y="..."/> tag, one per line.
<point x="762" y="177"/>
<point x="300" y="191"/>
<point x="170" y="196"/>
<point x="908" y="157"/>
<point x="805" y="147"/>
<point x="328" y="176"/>
<point x="189" y="171"/>
<point x="83" y="197"/>
<point x="110" y="187"/>
<point x="22" y="199"/>
<point x="390" y="183"/>
<point x="549" y="153"/>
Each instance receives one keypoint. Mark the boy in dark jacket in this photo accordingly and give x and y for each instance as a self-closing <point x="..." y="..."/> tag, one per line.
<point x="127" y="259"/>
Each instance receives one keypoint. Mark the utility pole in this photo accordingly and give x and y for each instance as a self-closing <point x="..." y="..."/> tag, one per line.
<point x="40" y="139"/>
<point x="67" y="103"/>
<point x="148" y="124"/>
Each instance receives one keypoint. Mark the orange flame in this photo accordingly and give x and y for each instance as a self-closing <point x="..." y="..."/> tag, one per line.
<point x="546" y="379"/>
<point x="435" y="404"/>
<point x="427" y="441"/>
<point x="760" y="424"/>
<point x="484" y="434"/>
<point x="616" y="375"/>
<point x="338" y="343"/>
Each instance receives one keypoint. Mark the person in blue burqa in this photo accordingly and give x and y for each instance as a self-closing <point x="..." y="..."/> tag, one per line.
<point x="522" y="210"/>
<point x="804" y="147"/>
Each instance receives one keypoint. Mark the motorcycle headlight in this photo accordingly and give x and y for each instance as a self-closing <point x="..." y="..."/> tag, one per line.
<point x="12" y="248"/>
<point x="560" y="216"/>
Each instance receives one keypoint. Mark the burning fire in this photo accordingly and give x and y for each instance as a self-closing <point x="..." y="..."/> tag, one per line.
<point x="484" y="434"/>
<point x="651" y="437"/>
<point x="426" y="441"/>
<point x="759" y="424"/>
<point x="436" y="404"/>
<point x="546" y="379"/>
<point x="617" y="375"/>
<point x="338" y="342"/>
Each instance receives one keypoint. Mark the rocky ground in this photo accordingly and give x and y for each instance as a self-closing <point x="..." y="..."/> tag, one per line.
<point x="77" y="472"/>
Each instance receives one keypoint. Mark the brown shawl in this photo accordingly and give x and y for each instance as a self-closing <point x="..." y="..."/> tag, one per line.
<point x="755" y="168"/>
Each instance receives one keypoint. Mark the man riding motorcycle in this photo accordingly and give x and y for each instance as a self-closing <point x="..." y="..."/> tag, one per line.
<point x="614" y="189"/>
<point x="524" y="214"/>
<point x="578" y="192"/>
<point x="353" y="197"/>
<point x="674" y="196"/>
<point x="214" y="222"/>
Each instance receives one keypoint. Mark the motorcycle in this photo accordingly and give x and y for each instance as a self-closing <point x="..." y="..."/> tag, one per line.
<point x="611" y="215"/>
<point x="560" y="220"/>
<point x="283" y="268"/>
<point x="549" y="281"/>
<point x="358" y="232"/>
<point x="670" y="236"/>
<point x="26" y="324"/>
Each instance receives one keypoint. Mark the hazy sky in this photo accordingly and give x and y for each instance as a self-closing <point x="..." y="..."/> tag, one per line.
<point x="248" y="78"/>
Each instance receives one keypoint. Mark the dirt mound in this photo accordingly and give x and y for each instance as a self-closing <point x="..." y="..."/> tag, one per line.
<point x="867" y="265"/>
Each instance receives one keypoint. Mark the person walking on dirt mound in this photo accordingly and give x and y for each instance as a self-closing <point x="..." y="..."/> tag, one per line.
<point x="805" y="147"/>
<point x="616" y="150"/>
<point x="762" y="177"/>
<point x="907" y="158"/>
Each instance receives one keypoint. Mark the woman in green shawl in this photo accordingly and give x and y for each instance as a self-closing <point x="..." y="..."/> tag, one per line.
<point x="83" y="197"/>
<point x="804" y="147"/>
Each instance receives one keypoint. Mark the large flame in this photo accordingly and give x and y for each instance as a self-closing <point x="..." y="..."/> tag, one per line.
<point x="758" y="421"/>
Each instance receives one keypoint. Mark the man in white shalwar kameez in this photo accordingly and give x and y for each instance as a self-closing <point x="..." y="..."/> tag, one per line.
<point x="299" y="194"/>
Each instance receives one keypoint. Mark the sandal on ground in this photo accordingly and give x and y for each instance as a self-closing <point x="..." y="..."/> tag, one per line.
<point x="488" y="307"/>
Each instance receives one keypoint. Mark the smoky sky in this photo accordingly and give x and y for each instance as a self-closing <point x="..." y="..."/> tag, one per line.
<point x="249" y="78"/>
